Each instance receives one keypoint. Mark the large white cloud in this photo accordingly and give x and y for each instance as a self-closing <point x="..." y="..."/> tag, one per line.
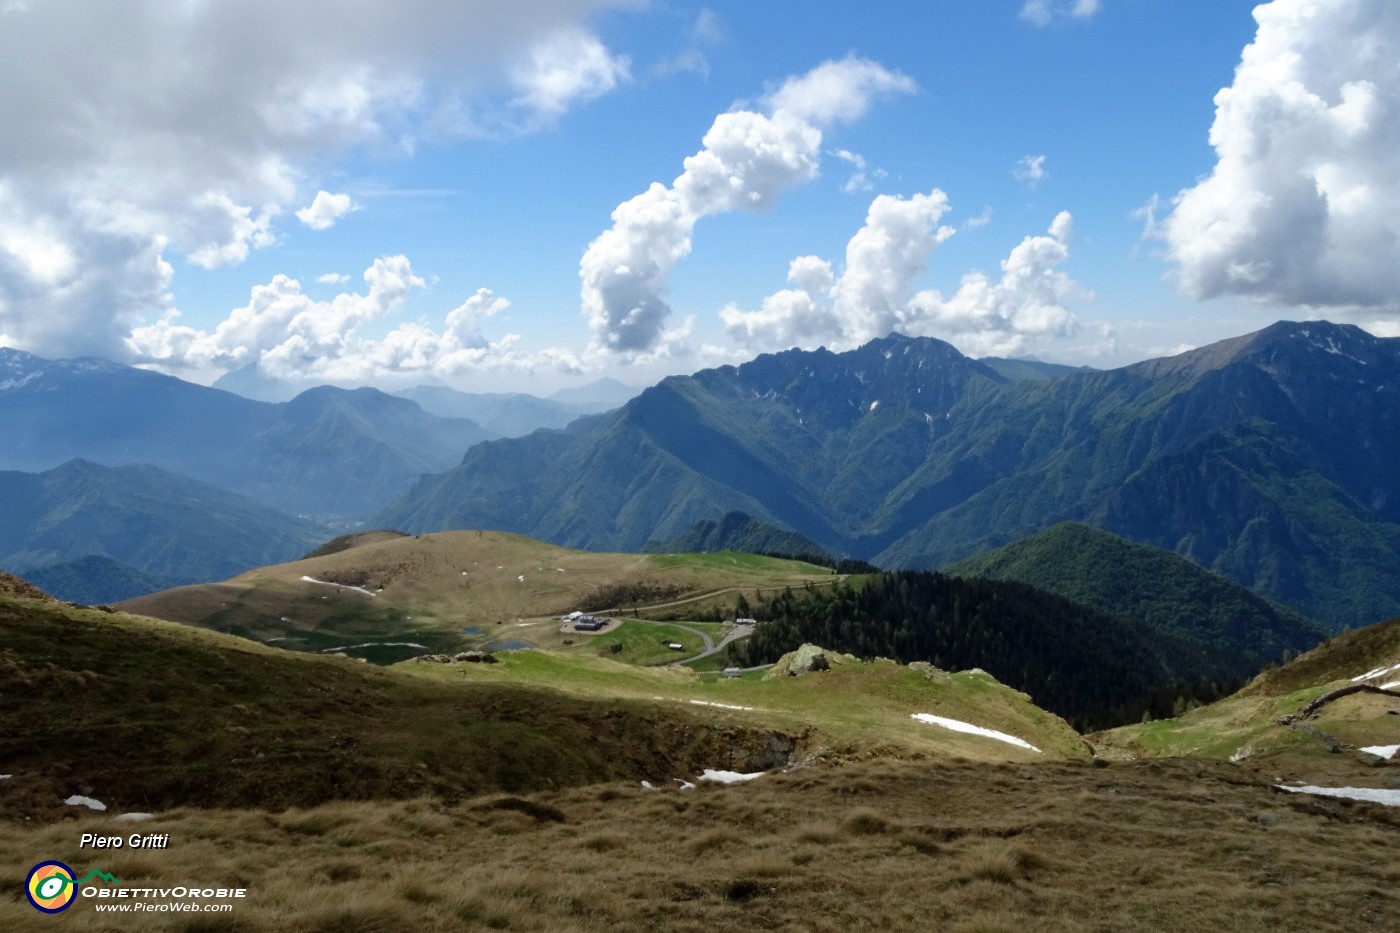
<point x="1028" y="303"/>
<point x="872" y="295"/>
<point x="1303" y="205"/>
<point x="290" y="335"/>
<point x="748" y="158"/>
<point x="138" y="131"/>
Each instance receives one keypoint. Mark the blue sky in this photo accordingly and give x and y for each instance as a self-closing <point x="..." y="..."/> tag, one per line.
<point x="150" y="214"/>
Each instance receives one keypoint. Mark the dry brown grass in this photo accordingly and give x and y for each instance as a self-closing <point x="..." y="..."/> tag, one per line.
<point x="1163" y="845"/>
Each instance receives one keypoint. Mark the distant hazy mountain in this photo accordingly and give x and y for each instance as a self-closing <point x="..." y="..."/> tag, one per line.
<point x="597" y="396"/>
<point x="1154" y="586"/>
<point x="327" y="452"/>
<point x="503" y="414"/>
<point x="739" y="532"/>
<point x="1268" y="458"/>
<point x="163" y="528"/>
<point x="250" y="383"/>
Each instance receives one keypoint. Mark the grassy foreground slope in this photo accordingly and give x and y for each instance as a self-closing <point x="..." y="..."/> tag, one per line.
<point x="855" y="710"/>
<point x="146" y="715"/>
<point x="344" y="797"/>
<point x="958" y="847"/>
<point x="1321" y="747"/>
<point x="428" y="588"/>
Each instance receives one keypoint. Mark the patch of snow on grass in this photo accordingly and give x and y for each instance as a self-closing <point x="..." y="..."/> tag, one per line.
<point x="1389" y="798"/>
<point x="728" y="777"/>
<point x="77" y="801"/>
<point x="339" y="586"/>
<point x="133" y="817"/>
<point x="521" y="578"/>
<point x="377" y="644"/>
<point x="1384" y="751"/>
<point x="958" y="726"/>
<point x="1391" y="686"/>
<point x="720" y="705"/>
<point x="1378" y="672"/>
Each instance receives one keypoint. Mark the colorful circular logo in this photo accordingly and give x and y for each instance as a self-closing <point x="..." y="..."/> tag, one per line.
<point x="50" y="887"/>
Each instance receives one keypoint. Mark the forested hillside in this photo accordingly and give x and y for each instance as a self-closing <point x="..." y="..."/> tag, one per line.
<point x="1093" y="669"/>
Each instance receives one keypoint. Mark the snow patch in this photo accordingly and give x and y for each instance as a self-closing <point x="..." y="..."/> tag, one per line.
<point x="377" y="644"/>
<point x="133" y="817"/>
<point x="958" y="726"/>
<point x="339" y="586"/>
<point x="720" y="705"/>
<point x="728" y="777"/>
<point x="521" y="578"/>
<point x="1383" y="751"/>
<point x="78" y="801"/>
<point x="875" y="404"/>
<point x="1390" y="798"/>
<point x="1378" y="672"/>
<point x="648" y="785"/>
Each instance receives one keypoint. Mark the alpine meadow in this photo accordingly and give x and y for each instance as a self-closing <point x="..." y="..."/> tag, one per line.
<point x="611" y="465"/>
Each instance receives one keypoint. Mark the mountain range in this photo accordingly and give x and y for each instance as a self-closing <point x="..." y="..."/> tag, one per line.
<point x="515" y="414"/>
<point x="327" y="453"/>
<point x="96" y="534"/>
<point x="1268" y="458"/>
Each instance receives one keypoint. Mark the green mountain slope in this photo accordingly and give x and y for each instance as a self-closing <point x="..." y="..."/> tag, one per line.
<point x="1151" y="585"/>
<point x="1092" y="668"/>
<point x="94" y="579"/>
<point x="807" y="441"/>
<point x="162" y="525"/>
<point x="1268" y="458"/>
<point x="1265" y="458"/>
<point x="736" y="531"/>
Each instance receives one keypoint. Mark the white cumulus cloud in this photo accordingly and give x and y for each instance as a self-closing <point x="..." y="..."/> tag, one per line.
<point x="1302" y="208"/>
<point x="325" y="209"/>
<point x="872" y="295"/>
<point x="154" y="131"/>
<point x="569" y="67"/>
<point x="1029" y="301"/>
<point x="868" y="299"/>
<point x="747" y="159"/>
<point x="290" y="335"/>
